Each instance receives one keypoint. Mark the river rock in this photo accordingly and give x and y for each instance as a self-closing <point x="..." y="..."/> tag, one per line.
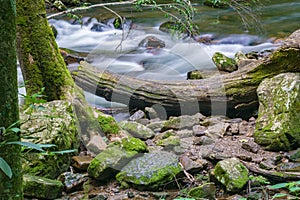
<point x="137" y="130"/>
<point x="277" y="125"/>
<point x="224" y="63"/>
<point x="81" y="163"/>
<point x="151" y="170"/>
<point x="110" y="161"/>
<point x="206" y="191"/>
<point x="232" y="174"/>
<point x="181" y="122"/>
<point x="42" y="188"/>
<point x="151" y="42"/>
<point x="50" y="123"/>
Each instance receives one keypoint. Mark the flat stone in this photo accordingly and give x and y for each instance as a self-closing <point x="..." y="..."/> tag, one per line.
<point x="81" y="163"/>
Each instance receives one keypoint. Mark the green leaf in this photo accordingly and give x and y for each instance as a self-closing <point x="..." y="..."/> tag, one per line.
<point x="278" y="195"/>
<point x="278" y="186"/>
<point x="295" y="189"/>
<point x="5" y="168"/>
<point x="46" y="145"/>
<point x="15" y="130"/>
<point x="27" y="144"/>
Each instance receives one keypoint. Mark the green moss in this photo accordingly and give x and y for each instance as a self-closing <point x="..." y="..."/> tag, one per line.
<point x="43" y="188"/>
<point x="108" y="124"/>
<point x="134" y="144"/>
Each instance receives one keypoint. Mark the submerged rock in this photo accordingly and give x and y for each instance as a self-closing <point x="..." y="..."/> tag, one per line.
<point x="40" y="187"/>
<point x="152" y="42"/>
<point x="151" y="170"/>
<point x="224" y="63"/>
<point x="232" y="174"/>
<point x="277" y="125"/>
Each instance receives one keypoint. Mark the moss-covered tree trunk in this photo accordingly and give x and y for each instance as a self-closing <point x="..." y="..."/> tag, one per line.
<point x="40" y="60"/>
<point x="10" y="188"/>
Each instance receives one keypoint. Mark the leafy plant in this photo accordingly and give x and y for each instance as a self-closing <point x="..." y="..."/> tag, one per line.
<point x="292" y="187"/>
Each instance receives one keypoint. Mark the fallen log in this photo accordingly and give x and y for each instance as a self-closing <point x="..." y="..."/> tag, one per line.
<point x="232" y="94"/>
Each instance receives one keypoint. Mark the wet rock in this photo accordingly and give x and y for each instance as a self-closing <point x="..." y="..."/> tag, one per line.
<point x="169" y="27"/>
<point x="232" y="174"/>
<point x="81" y="163"/>
<point x="241" y="59"/>
<point x="54" y="30"/>
<point x="151" y="42"/>
<point x="137" y="130"/>
<point x="72" y="181"/>
<point x="195" y="75"/>
<point x="108" y="124"/>
<point x="99" y="27"/>
<point x="207" y="191"/>
<point x="59" y="130"/>
<point x="40" y="187"/>
<point x="106" y="164"/>
<point x="224" y="63"/>
<point x="151" y="170"/>
<point x="277" y="125"/>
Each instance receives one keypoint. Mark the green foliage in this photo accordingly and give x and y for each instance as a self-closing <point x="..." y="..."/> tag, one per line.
<point x="292" y="187"/>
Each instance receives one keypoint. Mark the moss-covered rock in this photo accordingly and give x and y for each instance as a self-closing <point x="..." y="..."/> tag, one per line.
<point x="108" y="124"/>
<point x="109" y="162"/>
<point x="181" y="122"/>
<point x="195" y="74"/>
<point x="207" y="190"/>
<point x="42" y="188"/>
<point x="277" y="125"/>
<point x="137" y="130"/>
<point x="50" y="123"/>
<point x="232" y="174"/>
<point x="224" y="63"/>
<point x="151" y="170"/>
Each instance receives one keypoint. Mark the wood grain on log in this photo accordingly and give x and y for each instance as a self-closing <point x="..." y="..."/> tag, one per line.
<point x="233" y="94"/>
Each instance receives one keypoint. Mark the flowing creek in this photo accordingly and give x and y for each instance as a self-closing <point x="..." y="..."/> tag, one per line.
<point x="119" y="52"/>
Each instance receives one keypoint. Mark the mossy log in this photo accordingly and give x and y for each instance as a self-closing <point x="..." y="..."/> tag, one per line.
<point x="233" y="94"/>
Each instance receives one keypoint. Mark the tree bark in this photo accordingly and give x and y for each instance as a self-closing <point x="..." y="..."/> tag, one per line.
<point x="233" y="94"/>
<point x="10" y="188"/>
<point x="40" y="60"/>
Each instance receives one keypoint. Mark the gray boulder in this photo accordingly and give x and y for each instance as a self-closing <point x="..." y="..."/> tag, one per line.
<point x="151" y="170"/>
<point x="277" y="125"/>
<point x="110" y="161"/>
<point x="137" y="130"/>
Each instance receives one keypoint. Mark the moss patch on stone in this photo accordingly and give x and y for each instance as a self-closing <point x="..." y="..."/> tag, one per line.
<point x="108" y="124"/>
